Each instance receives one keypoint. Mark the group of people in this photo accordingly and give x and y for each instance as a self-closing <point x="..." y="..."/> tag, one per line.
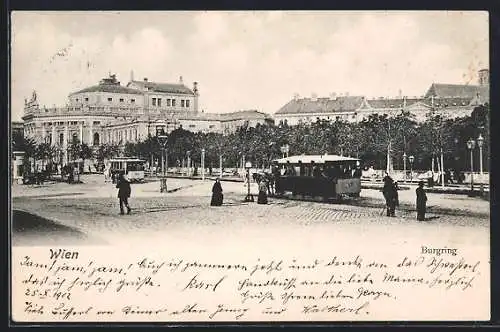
<point x="390" y="191"/>
<point x="218" y="196"/>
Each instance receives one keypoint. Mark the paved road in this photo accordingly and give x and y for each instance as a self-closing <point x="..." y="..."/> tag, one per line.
<point x="92" y="208"/>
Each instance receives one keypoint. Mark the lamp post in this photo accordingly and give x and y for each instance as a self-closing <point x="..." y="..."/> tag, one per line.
<point x="188" y="163"/>
<point x="411" y="159"/>
<point x="249" y="197"/>
<point x="220" y="164"/>
<point x="203" y="164"/>
<point x="471" y="144"/>
<point x="480" y="142"/>
<point x="163" y="139"/>
<point x="404" y="165"/>
<point x="442" y="168"/>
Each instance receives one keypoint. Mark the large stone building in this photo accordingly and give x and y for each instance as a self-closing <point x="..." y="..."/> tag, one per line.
<point x="112" y="113"/>
<point x="450" y="100"/>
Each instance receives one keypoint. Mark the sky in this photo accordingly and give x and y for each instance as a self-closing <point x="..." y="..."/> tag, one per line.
<point x="248" y="59"/>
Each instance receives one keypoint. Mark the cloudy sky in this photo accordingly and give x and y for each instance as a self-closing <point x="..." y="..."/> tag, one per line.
<point x="246" y="60"/>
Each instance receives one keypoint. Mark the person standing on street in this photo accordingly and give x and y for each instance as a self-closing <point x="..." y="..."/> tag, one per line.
<point x="262" y="199"/>
<point x="123" y="186"/>
<point x="217" y="196"/>
<point x="421" y="201"/>
<point x="390" y="195"/>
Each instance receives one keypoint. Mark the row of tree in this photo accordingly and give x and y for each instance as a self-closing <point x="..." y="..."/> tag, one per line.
<point x="368" y="140"/>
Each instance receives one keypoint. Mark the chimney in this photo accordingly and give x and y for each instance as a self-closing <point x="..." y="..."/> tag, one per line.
<point x="131" y="75"/>
<point x="180" y="80"/>
<point x="333" y="95"/>
<point x="347" y="94"/>
<point x="145" y="79"/>
<point x="314" y="96"/>
<point x="295" y="96"/>
<point x="400" y="94"/>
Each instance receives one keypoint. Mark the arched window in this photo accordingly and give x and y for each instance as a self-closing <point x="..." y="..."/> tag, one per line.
<point x="96" y="139"/>
<point x="75" y="138"/>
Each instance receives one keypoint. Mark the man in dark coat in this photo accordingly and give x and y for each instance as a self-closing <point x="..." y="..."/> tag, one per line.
<point x="123" y="186"/>
<point x="390" y="195"/>
<point x="421" y="201"/>
<point x="217" y="196"/>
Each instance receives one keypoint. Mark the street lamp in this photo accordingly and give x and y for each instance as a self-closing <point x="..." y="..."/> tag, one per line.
<point x="203" y="164"/>
<point x="163" y="139"/>
<point x="188" y="163"/>
<point x="249" y="197"/>
<point x="404" y="165"/>
<point x="471" y="144"/>
<point x="411" y="159"/>
<point x="480" y="142"/>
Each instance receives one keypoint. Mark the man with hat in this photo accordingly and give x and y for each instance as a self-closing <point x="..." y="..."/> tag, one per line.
<point x="421" y="201"/>
<point x="123" y="186"/>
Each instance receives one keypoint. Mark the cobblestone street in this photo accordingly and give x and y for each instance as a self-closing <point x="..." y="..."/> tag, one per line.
<point x="92" y="209"/>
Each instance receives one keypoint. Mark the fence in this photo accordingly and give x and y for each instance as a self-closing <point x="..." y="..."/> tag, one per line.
<point x="398" y="175"/>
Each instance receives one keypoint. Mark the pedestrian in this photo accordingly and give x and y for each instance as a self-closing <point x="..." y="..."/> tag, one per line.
<point x="217" y="196"/>
<point x="390" y="195"/>
<point x="421" y="201"/>
<point x="123" y="186"/>
<point x="262" y="199"/>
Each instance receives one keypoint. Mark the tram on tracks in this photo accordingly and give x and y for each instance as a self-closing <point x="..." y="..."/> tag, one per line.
<point x="326" y="176"/>
<point x="132" y="167"/>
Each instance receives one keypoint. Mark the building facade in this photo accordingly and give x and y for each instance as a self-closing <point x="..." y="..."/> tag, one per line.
<point x="112" y="113"/>
<point x="449" y="100"/>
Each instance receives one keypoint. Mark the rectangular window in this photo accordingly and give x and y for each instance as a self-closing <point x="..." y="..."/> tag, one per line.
<point x="182" y="103"/>
<point x="77" y="100"/>
<point x="110" y="99"/>
<point x="121" y="100"/>
<point x="159" y="102"/>
<point x="211" y="126"/>
<point x="153" y="102"/>
<point x="173" y="102"/>
<point x="97" y="122"/>
<point x="192" y="126"/>
<point x="86" y="98"/>
<point x="187" y="103"/>
<point x="168" y="102"/>
<point x="132" y="101"/>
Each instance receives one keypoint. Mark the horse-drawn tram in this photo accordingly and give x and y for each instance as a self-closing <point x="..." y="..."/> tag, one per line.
<point x="326" y="176"/>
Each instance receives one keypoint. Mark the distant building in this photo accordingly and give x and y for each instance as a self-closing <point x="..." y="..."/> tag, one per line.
<point x="112" y="113"/>
<point x="450" y="100"/>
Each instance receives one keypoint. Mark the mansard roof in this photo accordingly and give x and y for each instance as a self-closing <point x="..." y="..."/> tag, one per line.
<point x="162" y="87"/>
<point x="321" y="105"/>
<point x="438" y="90"/>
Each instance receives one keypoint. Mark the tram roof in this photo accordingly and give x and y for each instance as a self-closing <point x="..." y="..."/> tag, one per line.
<point x="318" y="159"/>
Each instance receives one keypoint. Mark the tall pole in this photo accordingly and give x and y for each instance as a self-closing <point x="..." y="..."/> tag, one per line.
<point x="203" y="164"/>
<point x="220" y="164"/>
<point x="481" y="161"/>
<point x="471" y="172"/>
<point x="442" y="169"/>
<point x="162" y="169"/>
<point x="404" y="165"/>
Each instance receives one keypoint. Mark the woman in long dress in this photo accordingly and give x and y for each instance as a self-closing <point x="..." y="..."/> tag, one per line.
<point x="262" y="199"/>
<point x="217" y="196"/>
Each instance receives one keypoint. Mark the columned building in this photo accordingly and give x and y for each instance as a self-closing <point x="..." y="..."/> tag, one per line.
<point x="112" y="113"/>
